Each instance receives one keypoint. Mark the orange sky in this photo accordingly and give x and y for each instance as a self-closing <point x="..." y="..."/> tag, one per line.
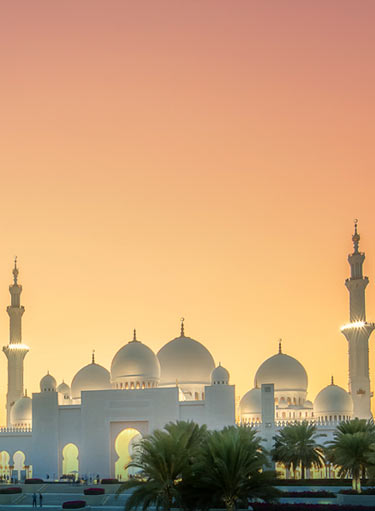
<point x="202" y="159"/>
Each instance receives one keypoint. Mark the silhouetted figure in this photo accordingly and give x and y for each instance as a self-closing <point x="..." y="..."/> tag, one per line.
<point x="40" y="500"/>
<point x="34" y="500"/>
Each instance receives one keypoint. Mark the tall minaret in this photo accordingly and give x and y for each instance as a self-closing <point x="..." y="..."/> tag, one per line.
<point x="15" y="351"/>
<point x="357" y="333"/>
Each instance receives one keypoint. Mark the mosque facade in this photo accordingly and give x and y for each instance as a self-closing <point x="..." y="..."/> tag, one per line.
<point x="90" y="426"/>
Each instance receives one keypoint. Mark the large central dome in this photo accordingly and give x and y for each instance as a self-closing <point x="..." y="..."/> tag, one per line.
<point x="284" y="371"/>
<point x="185" y="361"/>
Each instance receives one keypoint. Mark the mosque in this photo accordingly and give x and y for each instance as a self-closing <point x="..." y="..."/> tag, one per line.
<point x="90" y="426"/>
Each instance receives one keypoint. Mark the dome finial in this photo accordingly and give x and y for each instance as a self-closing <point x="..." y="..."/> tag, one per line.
<point x="25" y="392"/>
<point x="15" y="271"/>
<point x="332" y="381"/>
<point x="134" y="335"/>
<point x="356" y="237"/>
<point x="182" y="327"/>
<point x="280" y="341"/>
<point x="93" y="357"/>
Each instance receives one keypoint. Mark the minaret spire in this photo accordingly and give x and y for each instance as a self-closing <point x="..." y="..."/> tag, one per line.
<point x="356" y="237"/>
<point x="15" y="271"/>
<point x="16" y="350"/>
<point x="357" y="332"/>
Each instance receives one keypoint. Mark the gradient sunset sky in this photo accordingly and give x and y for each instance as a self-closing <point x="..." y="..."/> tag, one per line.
<point x="202" y="159"/>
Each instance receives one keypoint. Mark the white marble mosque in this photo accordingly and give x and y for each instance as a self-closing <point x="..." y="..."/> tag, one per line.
<point x="89" y="426"/>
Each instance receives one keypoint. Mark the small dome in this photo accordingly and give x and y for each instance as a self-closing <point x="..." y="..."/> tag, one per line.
<point x="91" y="377"/>
<point x="307" y="404"/>
<point x="333" y="401"/>
<point x="185" y="361"/>
<point x="251" y="402"/>
<point x="48" y="383"/>
<point x="284" y="371"/>
<point x="64" y="389"/>
<point x="21" y="412"/>
<point x="135" y="364"/>
<point x="219" y="376"/>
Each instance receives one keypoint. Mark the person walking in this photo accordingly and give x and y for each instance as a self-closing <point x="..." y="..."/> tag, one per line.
<point x="40" y="500"/>
<point x="34" y="500"/>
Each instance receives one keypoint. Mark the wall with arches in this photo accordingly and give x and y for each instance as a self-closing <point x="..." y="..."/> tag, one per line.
<point x="106" y="413"/>
<point x="12" y="443"/>
<point x="94" y="426"/>
<point x="14" y="464"/>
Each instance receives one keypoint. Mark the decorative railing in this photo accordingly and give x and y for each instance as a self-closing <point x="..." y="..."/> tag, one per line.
<point x="286" y="422"/>
<point x="16" y="430"/>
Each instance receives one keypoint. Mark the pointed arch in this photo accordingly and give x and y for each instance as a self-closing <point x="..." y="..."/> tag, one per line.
<point x="4" y="463"/>
<point x="70" y="459"/>
<point x="124" y="447"/>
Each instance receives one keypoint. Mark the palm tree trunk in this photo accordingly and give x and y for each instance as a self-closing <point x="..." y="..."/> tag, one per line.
<point x="294" y="471"/>
<point x="302" y="471"/>
<point x="359" y="484"/>
<point x="356" y="482"/>
<point x="230" y="504"/>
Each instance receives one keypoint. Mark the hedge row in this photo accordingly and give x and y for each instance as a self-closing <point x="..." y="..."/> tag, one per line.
<point x="314" y="482"/>
<point x="34" y="480"/>
<point x="94" y="491"/>
<point x="308" y="507"/>
<point x="74" y="504"/>
<point x="10" y="490"/>
<point x="310" y="494"/>
<point x="109" y="481"/>
<point x="368" y="491"/>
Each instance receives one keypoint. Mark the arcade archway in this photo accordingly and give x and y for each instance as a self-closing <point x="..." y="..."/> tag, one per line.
<point x="4" y="464"/>
<point x="70" y="460"/>
<point x="125" y="444"/>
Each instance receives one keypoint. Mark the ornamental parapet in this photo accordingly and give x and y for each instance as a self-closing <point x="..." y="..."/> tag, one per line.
<point x="320" y="424"/>
<point x="15" y="430"/>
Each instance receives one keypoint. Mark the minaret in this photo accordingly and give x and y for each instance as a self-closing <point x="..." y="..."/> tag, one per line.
<point x="15" y="351"/>
<point x="357" y="333"/>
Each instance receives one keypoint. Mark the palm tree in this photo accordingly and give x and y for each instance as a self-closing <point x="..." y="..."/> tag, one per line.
<point x="355" y="426"/>
<point x="296" y="446"/>
<point x="164" y="459"/>
<point x="229" y="469"/>
<point x="352" y="450"/>
<point x="189" y="435"/>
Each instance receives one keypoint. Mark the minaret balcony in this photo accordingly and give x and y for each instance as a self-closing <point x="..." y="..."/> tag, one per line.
<point x="358" y="325"/>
